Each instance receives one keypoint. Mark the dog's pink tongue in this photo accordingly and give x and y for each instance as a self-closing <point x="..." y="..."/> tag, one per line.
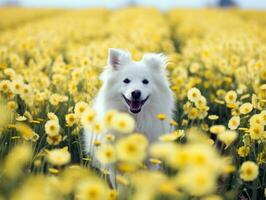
<point x="135" y="105"/>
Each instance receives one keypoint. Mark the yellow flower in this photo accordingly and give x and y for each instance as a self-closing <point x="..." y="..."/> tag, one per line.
<point x="230" y="97"/>
<point x="249" y="171"/>
<point x="193" y="113"/>
<point x="80" y="108"/>
<point x="217" y="129"/>
<point x="227" y="137"/>
<point x="106" y="154"/>
<point x="213" y="117"/>
<point x="92" y="190"/>
<point x="194" y="94"/>
<point x="97" y="127"/>
<point x="54" y="140"/>
<point x="10" y="73"/>
<point x="108" y="117"/>
<point x="197" y="181"/>
<point x="173" y="123"/>
<point x="12" y="105"/>
<point x="4" y="86"/>
<point x="234" y="122"/>
<point x="52" y="127"/>
<point x="123" y="123"/>
<point x="112" y="195"/>
<point x="26" y="132"/>
<point x="203" y="155"/>
<point x="263" y="116"/>
<point x="245" y="108"/>
<point x="88" y="117"/>
<point x="243" y="151"/>
<point x="130" y="150"/>
<point x="172" y="136"/>
<point x="256" y="132"/>
<point x="201" y="102"/>
<point x="58" y="157"/>
<point x="18" y="157"/>
<point x="52" y="116"/>
<point x="70" y="119"/>
<point x="16" y="86"/>
<point x="161" y="116"/>
<point x="162" y="150"/>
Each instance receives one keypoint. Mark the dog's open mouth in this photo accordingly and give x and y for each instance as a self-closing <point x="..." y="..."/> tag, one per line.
<point x="135" y="105"/>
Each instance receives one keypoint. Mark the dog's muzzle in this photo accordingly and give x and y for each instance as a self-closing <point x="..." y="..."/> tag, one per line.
<point x="135" y="105"/>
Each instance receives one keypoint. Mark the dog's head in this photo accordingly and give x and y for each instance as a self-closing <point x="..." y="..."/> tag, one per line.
<point x="135" y="83"/>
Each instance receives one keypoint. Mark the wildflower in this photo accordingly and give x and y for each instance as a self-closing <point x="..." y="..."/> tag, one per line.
<point x="92" y="190"/>
<point x="128" y="149"/>
<point x="249" y="171"/>
<point x="256" y="119"/>
<point x="12" y="105"/>
<point x="109" y="117"/>
<point x="52" y="127"/>
<point x="10" y="73"/>
<point x="193" y="113"/>
<point x="112" y="195"/>
<point x="217" y="129"/>
<point x="52" y="116"/>
<point x="194" y="67"/>
<point x="58" y="157"/>
<point x="263" y="116"/>
<point x="243" y="151"/>
<point x="80" y="108"/>
<point x="173" y="123"/>
<point x="194" y="94"/>
<point x="88" y="116"/>
<point x="161" y="116"/>
<point x="109" y="137"/>
<point x="106" y="154"/>
<point x="246" y="108"/>
<point x="70" y="119"/>
<point x="213" y="117"/>
<point x="16" y="86"/>
<point x="197" y="181"/>
<point x="201" y="102"/>
<point x="155" y="161"/>
<point x="26" y="131"/>
<point x="162" y="150"/>
<point x="122" y="180"/>
<point x="227" y="137"/>
<point x="54" y="140"/>
<point x="234" y="122"/>
<point x="171" y="136"/>
<point x="256" y="132"/>
<point x="18" y="157"/>
<point x="5" y="86"/>
<point x="123" y="123"/>
<point x="230" y="97"/>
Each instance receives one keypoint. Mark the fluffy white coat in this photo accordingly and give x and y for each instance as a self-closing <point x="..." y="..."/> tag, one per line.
<point x="116" y="91"/>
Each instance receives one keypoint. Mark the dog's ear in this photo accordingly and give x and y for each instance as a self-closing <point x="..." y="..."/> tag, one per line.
<point x="155" y="60"/>
<point x="117" y="57"/>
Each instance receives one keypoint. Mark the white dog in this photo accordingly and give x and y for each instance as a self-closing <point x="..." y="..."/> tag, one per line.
<point x="138" y="88"/>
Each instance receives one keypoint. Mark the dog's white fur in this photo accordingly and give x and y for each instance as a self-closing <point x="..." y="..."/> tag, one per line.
<point x="110" y="96"/>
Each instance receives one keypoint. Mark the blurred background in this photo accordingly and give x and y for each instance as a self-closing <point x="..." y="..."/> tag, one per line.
<point x="113" y="4"/>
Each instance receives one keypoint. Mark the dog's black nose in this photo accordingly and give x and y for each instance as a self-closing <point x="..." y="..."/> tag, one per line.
<point x="136" y="94"/>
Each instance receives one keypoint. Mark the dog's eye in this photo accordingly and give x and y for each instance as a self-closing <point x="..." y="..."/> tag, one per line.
<point x="126" y="81"/>
<point x="145" y="81"/>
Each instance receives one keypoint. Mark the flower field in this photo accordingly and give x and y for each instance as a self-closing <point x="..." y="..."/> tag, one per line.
<point x="50" y="61"/>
